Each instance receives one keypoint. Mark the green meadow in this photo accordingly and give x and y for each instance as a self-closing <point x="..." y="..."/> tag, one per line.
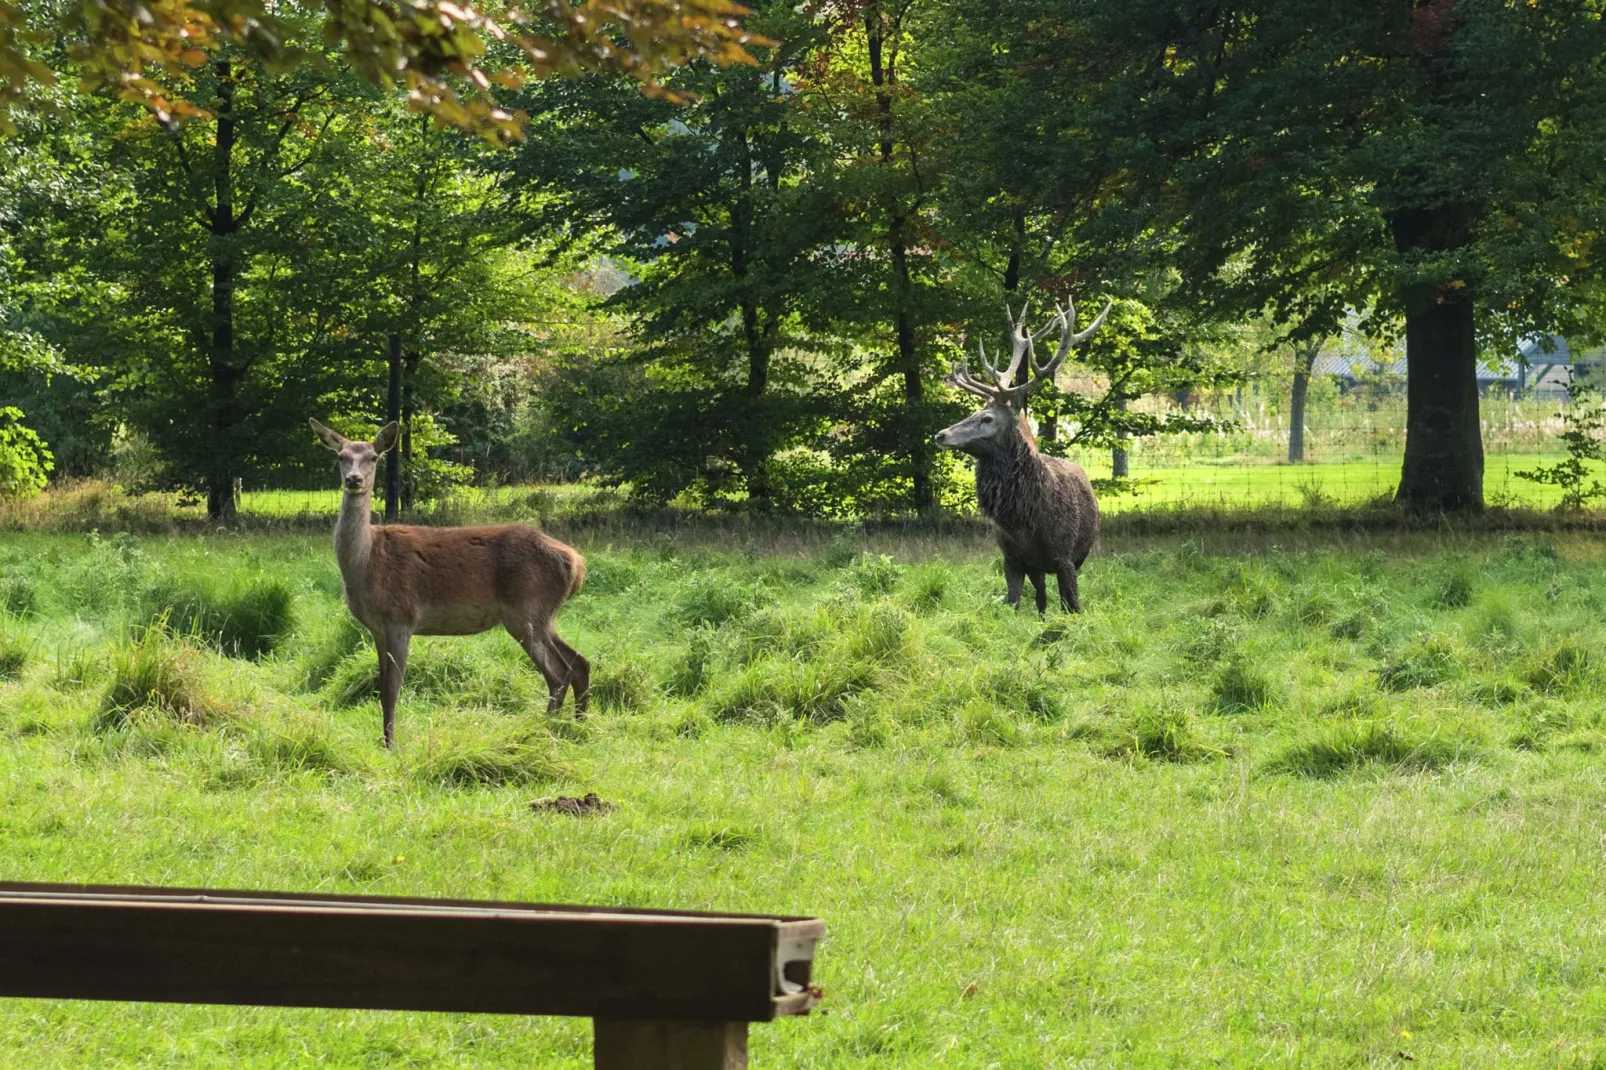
<point x="1333" y="801"/>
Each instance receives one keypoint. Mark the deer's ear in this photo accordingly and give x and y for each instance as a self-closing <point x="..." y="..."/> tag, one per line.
<point x="386" y="439"/>
<point x="329" y="438"/>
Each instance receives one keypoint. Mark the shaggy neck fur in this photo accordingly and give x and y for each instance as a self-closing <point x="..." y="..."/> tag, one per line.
<point x="1009" y="479"/>
<point x="354" y="534"/>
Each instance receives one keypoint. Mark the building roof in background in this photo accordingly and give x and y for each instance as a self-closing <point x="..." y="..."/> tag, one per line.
<point x="1533" y="351"/>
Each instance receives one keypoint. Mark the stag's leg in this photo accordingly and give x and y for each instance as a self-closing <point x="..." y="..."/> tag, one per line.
<point x="1014" y="575"/>
<point x="393" y="645"/>
<point x="1040" y="588"/>
<point x="579" y="674"/>
<point x="1070" y="601"/>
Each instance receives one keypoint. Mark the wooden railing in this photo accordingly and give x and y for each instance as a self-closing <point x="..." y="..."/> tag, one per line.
<point x="664" y="989"/>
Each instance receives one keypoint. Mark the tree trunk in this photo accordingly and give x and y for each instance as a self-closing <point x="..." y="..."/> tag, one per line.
<point x="916" y="442"/>
<point x="754" y="450"/>
<point x="409" y="478"/>
<point x="1304" y="361"/>
<point x="1443" y="468"/>
<point x="222" y="366"/>
<point x="1119" y="467"/>
<point x="393" y="415"/>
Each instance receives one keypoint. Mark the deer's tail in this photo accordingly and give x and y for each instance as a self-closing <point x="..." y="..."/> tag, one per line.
<point x="577" y="571"/>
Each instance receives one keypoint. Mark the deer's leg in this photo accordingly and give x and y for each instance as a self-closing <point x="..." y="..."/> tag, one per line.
<point x="542" y="650"/>
<point x="1014" y="576"/>
<point x="393" y="645"/>
<point x="579" y="674"/>
<point x="1040" y="589"/>
<point x="1070" y="601"/>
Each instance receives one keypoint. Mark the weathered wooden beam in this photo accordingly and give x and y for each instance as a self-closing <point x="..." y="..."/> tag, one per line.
<point x="682" y="984"/>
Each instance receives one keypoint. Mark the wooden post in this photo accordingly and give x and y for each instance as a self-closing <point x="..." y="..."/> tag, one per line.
<point x="669" y="1045"/>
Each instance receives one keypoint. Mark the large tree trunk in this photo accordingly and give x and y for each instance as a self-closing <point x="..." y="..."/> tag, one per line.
<point x="1304" y="361"/>
<point x="916" y="442"/>
<point x="1120" y="466"/>
<point x="222" y="366"/>
<point x="1443" y="467"/>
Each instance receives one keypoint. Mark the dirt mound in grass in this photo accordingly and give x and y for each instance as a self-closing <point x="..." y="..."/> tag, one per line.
<point x="585" y="806"/>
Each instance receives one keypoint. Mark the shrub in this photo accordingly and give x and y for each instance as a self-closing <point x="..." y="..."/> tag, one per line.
<point x="248" y="621"/>
<point x="25" y="462"/>
<point x="1242" y="687"/>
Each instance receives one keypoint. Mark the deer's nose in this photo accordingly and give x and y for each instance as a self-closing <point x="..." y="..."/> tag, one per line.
<point x="941" y="438"/>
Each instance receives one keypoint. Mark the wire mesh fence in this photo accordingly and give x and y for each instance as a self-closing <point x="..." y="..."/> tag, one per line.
<point x="1352" y="446"/>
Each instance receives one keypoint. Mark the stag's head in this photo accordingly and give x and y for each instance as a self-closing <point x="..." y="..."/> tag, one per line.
<point x="358" y="459"/>
<point x="1003" y="419"/>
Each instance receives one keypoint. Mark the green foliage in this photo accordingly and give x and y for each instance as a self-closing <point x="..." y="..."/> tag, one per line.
<point x="1349" y="745"/>
<point x="1585" y="421"/>
<point x="25" y="462"/>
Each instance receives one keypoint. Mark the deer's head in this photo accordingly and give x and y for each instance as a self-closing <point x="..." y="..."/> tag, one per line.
<point x="991" y="429"/>
<point x="358" y="459"/>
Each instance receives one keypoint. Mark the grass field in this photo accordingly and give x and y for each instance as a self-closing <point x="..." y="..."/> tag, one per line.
<point x="1331" y="802"/>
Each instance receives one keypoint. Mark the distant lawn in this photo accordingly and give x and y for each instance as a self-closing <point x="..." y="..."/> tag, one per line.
<point x="1325" y="804"/>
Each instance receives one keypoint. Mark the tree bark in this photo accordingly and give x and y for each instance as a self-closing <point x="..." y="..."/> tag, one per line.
<point x="222" y="366"/>
<point x="916" y="442"/>
<point x="1119" y="466"/>
<point x="393" y="414"/>
<point x="1443" y="468"/>
<point x="409" y="481"/>
<point x="1304" y="361"/>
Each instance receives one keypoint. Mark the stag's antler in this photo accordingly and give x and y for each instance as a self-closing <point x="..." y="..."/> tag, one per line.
<point x="1003" y="387"/>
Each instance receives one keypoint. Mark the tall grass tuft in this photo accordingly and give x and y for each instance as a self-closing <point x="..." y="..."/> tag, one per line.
<point x="517" y="760"/>
<point x="1240" y="686"/>
<point x="622" y="684"/>
<point x="246" y="621"/>
<point x="1427" y="661"/>
<point x="14" y="654"/>
<point x="151" y="672"/>
<point x="1341" y="746"/>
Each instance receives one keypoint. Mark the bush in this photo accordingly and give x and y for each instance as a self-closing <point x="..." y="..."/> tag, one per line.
<point x="25" y="462"/>
<point x="245" y="622"/>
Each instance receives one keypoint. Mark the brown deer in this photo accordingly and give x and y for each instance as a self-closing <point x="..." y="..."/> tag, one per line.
<point x="1043" y="509"/>
<point x="404" y="581"/>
